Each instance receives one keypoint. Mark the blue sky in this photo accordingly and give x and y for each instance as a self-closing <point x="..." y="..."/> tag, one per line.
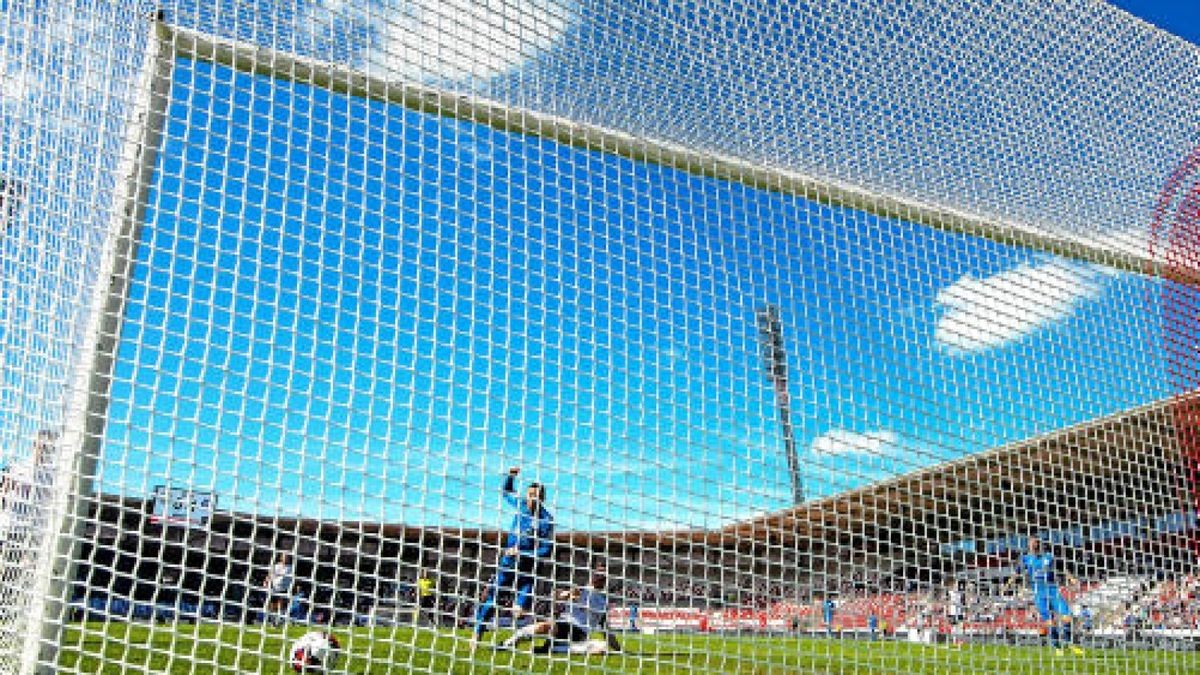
<point x="343" y="309"/>
<point x="1180" y="17"/>
<point x="378" y="331"/>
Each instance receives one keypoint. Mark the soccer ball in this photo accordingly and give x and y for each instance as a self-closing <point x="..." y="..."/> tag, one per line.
<point x="315" y="652"/>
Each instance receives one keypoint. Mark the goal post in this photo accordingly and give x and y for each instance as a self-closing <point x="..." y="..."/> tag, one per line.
<point x="90" y="391"/>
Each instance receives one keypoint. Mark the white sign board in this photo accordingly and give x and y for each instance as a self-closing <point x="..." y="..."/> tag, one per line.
<point x="182" y="506"/>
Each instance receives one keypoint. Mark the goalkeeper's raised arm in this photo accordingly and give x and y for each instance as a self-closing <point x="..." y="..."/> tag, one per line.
<point x="532" y="530"/>
<point x="509" y="489"/>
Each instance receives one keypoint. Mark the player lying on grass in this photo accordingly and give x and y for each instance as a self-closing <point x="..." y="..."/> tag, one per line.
<point x="580" y="628"/>
<point x="1038" y="566"/>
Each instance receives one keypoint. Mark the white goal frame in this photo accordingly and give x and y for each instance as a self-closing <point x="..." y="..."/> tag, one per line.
<point x="88" y="405"/>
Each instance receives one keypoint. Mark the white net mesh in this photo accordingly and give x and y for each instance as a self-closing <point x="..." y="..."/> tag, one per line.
<point x="807" y="319"/>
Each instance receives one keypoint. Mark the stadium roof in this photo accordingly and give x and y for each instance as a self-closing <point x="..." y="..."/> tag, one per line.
<point x="1123" y="465"/>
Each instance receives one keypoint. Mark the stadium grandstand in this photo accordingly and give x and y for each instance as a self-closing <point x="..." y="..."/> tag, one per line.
<point x="1120" y="520"/>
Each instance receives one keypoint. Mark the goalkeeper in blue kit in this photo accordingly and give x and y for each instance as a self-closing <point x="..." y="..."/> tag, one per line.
<point x="1038" y="566"/>
<point x="530" y="540"/>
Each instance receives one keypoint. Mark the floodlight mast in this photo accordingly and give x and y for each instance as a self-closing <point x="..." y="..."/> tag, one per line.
<point x="770" y="333"/>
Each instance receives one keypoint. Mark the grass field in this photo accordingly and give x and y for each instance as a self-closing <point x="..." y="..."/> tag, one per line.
<point x="205" y="648"/>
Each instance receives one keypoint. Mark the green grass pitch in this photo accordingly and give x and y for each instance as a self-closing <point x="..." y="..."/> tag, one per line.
<point x="122" y="648"/>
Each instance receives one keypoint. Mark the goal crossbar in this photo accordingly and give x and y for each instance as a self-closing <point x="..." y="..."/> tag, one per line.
<point x="262" y="61"/>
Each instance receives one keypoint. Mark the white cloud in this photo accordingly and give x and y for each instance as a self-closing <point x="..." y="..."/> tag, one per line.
<point x="455" y="40"/>
<point x="17" y="81"/>
<point x="327" y="21"/>
<point x="72" y="87"/>
<point x="984" y="313"/>
<point x="435" y="41"/>
<point x="844" y="442"/>
<point x="16" y="85"/>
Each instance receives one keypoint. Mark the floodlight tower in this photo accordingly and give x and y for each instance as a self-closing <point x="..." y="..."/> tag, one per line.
<point x="770" y="334"/>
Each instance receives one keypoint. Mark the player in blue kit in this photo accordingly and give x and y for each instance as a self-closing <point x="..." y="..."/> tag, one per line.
<point x="828" y="607"/>
<point x="530" y="540"/>
<point x="1038" y="566"/>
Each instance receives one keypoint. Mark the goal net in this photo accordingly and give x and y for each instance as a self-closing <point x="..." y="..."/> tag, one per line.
<point x="541" y="334"/>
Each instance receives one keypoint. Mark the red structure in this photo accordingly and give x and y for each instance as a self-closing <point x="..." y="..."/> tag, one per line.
<point x="1175" y="246"/>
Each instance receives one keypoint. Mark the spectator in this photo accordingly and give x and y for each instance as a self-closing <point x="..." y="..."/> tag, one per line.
<point x="279" y="587"/>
